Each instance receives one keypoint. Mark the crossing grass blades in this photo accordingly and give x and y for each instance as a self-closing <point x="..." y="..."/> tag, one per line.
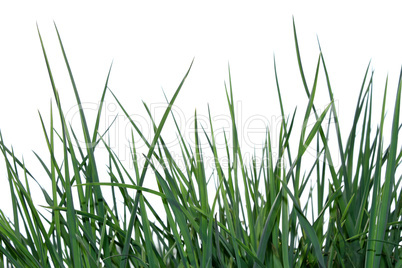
<point x="356" y="220"/>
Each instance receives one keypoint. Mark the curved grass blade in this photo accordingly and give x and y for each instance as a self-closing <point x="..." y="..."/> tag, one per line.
<point x="133" y="215"/>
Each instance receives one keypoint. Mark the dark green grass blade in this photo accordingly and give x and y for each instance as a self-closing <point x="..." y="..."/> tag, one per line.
<point x="307" y="228"/>
<point x="268" y="227"/>
<point x="180" y="218"/>
<point x="102" y="100"/>
<point x="347" y="180"/>
<point x="129" y="186"/>
<point x="351" y="140"/>
<point x="304" y="128"/>
<point x="237" y="205"/>
<point x="205" y="232"/>
<point x="92" y="169"/>
<point x="150" y="152"/>
<point x="337" y="181"/>
<point x="387" y="191"/>
<point x="299" y="59"/>
<point x="70" y="205"/>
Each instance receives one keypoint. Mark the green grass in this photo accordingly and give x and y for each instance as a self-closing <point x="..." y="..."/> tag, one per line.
<point x="256" y="217"/>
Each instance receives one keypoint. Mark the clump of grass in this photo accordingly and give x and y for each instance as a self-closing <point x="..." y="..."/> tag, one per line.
<point x="356" y="221"/>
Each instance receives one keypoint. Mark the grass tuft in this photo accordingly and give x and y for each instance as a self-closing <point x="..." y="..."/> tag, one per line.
<point x="257" y="216"/>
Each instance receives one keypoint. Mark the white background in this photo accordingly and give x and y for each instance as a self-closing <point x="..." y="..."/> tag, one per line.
<point x="153" y="44"/>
